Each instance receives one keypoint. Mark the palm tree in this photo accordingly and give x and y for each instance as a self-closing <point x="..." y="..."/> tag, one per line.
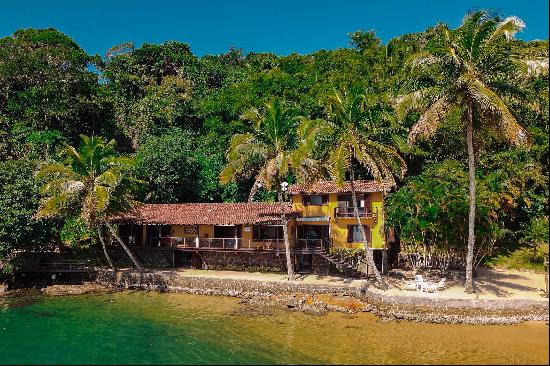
<point x="352" y="126"/>
<point x="472" y="72"/>
<point x="91" y="182"/>
<point x="279" y="145"/>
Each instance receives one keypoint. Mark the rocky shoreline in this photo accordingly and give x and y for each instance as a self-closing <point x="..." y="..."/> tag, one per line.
<point x="320" y="299"/>
<point x="315" y="299"/>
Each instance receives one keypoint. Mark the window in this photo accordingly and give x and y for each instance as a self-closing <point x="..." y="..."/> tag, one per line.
<point x="227" y="231"/>
<point x="313" y="232"/>
<point x="267" y="232"/>
<point x="354" y="234"/>
<point x="165" y="230"/>
<point x="344" y="200"/>
<point x="315" y="200"/>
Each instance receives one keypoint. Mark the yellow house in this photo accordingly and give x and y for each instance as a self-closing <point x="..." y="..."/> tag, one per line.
<point x="320" y="216"/>
<point x="326" y="212"/>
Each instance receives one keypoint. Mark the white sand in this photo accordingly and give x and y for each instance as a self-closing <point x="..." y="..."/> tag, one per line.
<point x="490" y="283"/>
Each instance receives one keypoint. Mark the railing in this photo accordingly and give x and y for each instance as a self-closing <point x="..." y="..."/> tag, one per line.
<point x="174" y="241"/>
<point x="182" y="242"/>
<point x="221" y="243"/>
<point x="312" y="244"/>
<point x="269" y="244"/>
<point x="66" y="265"/>
<point x="348" y="212"/>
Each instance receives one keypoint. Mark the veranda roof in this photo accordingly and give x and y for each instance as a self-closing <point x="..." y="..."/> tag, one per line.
<point x="314" y="219"/>
<point x="206" y="213"/>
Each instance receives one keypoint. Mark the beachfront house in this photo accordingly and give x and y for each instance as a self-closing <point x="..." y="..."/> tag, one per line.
<point x="233" y="235"/>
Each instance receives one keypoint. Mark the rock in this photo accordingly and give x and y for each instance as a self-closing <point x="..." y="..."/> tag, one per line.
<point x="85" y="288"/>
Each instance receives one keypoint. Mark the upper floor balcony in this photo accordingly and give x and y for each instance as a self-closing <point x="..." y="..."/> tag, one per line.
<point x="348" y="212"/>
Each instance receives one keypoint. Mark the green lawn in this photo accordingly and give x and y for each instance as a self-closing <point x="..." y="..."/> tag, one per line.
<point x="520" y="258"/>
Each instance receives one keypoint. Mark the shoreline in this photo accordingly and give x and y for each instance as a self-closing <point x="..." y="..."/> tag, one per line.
<point x="315" y="298"/>
<point x="318" y="299"/>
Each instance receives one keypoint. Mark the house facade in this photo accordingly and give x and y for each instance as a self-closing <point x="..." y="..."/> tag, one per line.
<point x="228" y="235"/>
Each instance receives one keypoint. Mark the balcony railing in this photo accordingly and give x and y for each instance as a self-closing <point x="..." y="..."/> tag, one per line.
<point x="216" y="243"/>
<point x="209" y="243"/>
<point x="348" y="212"/>
<point x="306" y="244"/>
<point x="228" y="243"/>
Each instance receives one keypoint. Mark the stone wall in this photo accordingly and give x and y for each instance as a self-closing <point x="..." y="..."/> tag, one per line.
<point x="173" y="282"/>
<point x="260" y="261"/>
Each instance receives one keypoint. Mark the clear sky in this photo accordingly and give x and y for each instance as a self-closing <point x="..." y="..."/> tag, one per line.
<point x="282" y="27"/>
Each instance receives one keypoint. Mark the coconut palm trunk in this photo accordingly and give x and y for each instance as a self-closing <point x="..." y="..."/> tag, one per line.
<point x="102" y="240"/>
<point x="134" y="259"/>
<point x="253" y="191"/>
<point x="368" y="250"/>
<point x="472" y="214"/>
<point x="284" y="221"/>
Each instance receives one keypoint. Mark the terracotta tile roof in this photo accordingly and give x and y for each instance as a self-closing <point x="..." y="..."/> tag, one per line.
<point x="205" y="213"/>
<point x="325" y="186"/>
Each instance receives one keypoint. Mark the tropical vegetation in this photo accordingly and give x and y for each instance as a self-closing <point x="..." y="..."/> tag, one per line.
<point x="430" y="101"/>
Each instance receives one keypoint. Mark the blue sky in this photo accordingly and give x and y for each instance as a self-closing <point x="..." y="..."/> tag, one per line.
<point x="282" y="27"/>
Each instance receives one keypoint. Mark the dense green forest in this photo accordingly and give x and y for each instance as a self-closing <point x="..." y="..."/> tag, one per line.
<point x="177" y="113"/>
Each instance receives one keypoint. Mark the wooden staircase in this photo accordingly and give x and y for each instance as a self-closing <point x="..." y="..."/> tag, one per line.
<point x="347" y="268"/>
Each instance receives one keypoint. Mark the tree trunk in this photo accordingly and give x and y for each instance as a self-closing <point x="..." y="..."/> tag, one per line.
<point x="253" y="191"/>
<point x="368" y="250"/>
<point x="472" y="215"/>
<point x="284" y="221"/>
<point x="105" y="248"/>
<point x="128" y="251"/>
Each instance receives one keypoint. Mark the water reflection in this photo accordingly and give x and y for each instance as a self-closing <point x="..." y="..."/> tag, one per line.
<point x="148" y="327"/>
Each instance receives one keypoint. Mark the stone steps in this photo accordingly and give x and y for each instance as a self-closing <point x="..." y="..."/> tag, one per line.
<point x="343" y="265"/>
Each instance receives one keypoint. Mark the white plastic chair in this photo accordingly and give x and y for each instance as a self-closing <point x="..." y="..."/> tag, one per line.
<point x="410" y="285"/>
<point x="419" y="282"/>
<point x="433" y="286"/>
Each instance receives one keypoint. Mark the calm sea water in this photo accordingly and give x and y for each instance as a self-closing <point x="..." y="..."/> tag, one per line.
<point x="151" y="328"/>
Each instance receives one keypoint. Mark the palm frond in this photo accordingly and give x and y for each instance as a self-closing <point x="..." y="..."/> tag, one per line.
<point x="422" y="60"/>
<point x="508" y="27"/>
<point x="108" y="178"/>
<point x="54" y="169"/>
<point x="252" y="115"/>
<point x="429" y="120"/>
<point x="533" y="67"/>
<point x="339" y="162"/>
<point x="101" y="198"/>
<point x="491" y="104"/>
<point x="418" y="100"/>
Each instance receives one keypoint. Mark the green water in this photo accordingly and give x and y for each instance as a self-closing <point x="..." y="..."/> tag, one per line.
<point x="154" y="328"/>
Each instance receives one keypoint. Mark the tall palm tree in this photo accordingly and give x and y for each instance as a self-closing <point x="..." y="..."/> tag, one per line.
<point x="91" y="182"/>
<point x="279" y="144"/>
<point x="353" y="126"/>
<point x="472" y="70"/>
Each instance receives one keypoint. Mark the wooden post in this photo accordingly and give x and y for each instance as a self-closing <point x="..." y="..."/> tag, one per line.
<point x="546" y="274"/>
